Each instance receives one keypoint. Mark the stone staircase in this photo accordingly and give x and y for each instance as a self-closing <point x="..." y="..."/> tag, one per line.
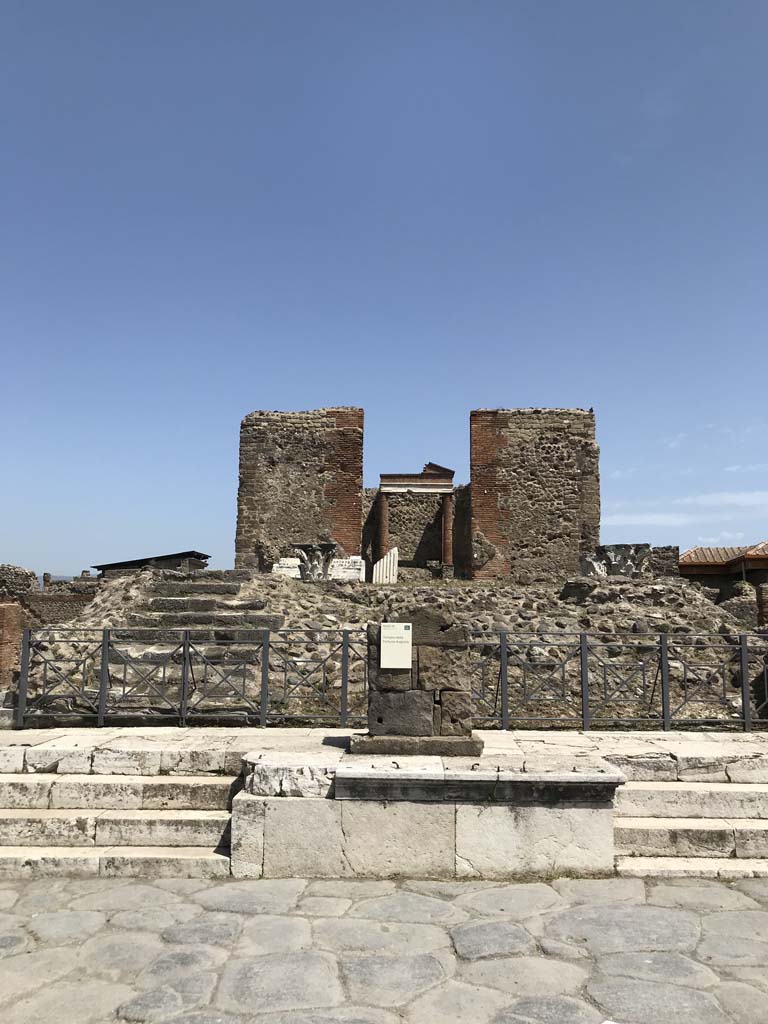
<point x="691" y="828"/>
<point x="112" y="825"/>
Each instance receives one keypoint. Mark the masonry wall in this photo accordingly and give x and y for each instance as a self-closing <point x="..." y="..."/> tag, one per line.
<point x="301" y="479"/>
<point x="415" y="527"/>
<point x="535" y="492"/>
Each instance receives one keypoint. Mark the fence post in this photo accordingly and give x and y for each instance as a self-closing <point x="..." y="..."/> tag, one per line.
<point x="586" y="717"/>
<point x="103" y="676"/>
<point x="344" y="676"/>
<point x="185" y="667"/>
<point x="504" y="680"/>
<point x="21" y="706"/>
<point x="264" y="704"/>
<point x="666" y="717"/>
<point x="746" y="697"/>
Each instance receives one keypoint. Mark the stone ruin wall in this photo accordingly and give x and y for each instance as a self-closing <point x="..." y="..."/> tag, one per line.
<point x="415" y="527"/>
<point x="535" y="492"/>
<point x="301" y="479"/>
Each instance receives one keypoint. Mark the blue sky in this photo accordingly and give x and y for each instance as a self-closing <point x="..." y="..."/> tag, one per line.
<point x="417" y="207"/>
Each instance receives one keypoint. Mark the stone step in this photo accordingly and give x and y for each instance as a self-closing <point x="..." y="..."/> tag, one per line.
<point x="82" y="827"/>
<point x="690" y="867"/>
<point x="18" y="862"/>
<point x="205" y="620"/>
<point x="692" y="837"/>
<point x="692" y="800"/>
<point x="202" y="604"/>
<point x="42" y="791"/>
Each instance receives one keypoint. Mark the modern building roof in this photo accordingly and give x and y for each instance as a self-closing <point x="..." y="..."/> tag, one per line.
<point x="432" y="479"/>
<point x="724" y="556"/>
<point x="152" y="558"/>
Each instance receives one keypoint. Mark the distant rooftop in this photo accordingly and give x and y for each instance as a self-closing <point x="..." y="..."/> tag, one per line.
<point x="724" y="555"/>
<point x="175" y="556"/>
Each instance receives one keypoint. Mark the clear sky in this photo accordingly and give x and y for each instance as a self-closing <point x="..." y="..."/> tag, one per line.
<point x="417" y="206"/>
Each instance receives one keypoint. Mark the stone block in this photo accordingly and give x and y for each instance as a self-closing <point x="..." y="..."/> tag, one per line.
<point x="306" y="775"/>
<point x="543" y="842"/>
<point x="393" y="840"/>
<point x="400" y="714"/>
<point x="388" y="680"/>
<point x="163" y="862"/>
<point x="456" y="718"/>
<point x="247" y="849"/>
<point x="26" y="792"/>
<point x="47" y="828"/>
<point x="127" y="762"/>
<point x="303" y="839"/>
<point x="11" y="760"/>
<point x="430" y="746"/>
<point x="444" y="668"/>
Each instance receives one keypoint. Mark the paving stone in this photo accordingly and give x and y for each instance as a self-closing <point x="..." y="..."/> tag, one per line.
<point x="7" y="898"/>
<point x="209" y="1017"/>
<point x="673" y="968"/>
<point x="119" y="953"/>
<point x="617" y="929"/>
<point x="157" y="1004"/>
<point x="409" y="906"/>
<point x="14" y="940"/>
<point x="323" y="906"/>
<point x="65" y="926"/>
<point x="175" y="965"/>
<point x="645" y="1002"/>
<point x="20" y="975"/>
<point x="447" y="890"/>
<point x="549" y="1010"/>
<point x="337" y="1015"/>
<point x="266" y="934"/>
<point x="746" y="924"/>
<point x="126" y="896"/>
<point x="154" y="919"/>
<point x="287" y="981"/>
<point x="600" y="890"/>
<point x="476" y="940"/>
<point x="218" y="928"/>
<point x="756" y="977"/>
<point x="87" y="1001"/>
<point x="755" y="888"/>
<point x="182" y="886"/>
<point x="454" y="1002"/>
<point x="348" y="935"/>
<point x="390" y="980"/>
<point x="351" y="889"/>
<point x="525" y="976"/>
<point x="514" y="901"/>
<point x="727" y="951"/>
<point x="743" y="1003"/>
<point x="268" y="896"/>
<point x="703" y="895"/>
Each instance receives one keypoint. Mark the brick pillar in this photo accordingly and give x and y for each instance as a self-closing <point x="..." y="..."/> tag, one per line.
<point x="447" y="508"/>
<point x="383" y="524"/>
<point x="11" y="627"/>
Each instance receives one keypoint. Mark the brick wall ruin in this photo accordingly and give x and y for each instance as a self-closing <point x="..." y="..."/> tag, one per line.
<point x="535" y="492"/>
<point x="415" y="527"/>
<point x="301" y="478"/>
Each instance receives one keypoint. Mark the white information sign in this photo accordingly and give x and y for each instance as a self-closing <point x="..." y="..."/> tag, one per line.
<point x="396" y="644"/>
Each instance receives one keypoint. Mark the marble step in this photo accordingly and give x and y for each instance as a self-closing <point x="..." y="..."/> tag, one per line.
<point x="692" y="800"/>
<point x="19" y="862"/>
<point x="690" y="867"/>
<point x="691" y="837"/>
<point x="39" y="791"/>
<point x="203" y="604"/>
<point x="83" y="827"/>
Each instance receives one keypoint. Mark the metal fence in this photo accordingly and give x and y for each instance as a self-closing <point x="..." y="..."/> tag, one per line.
<point x="262" y="677"/>
<point x="319" y="677"/>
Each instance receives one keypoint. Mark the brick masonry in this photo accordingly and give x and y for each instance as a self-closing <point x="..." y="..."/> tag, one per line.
<point x="415" y="527"/>
<point x="301" y="479"/>
<point x="535" y="492"/>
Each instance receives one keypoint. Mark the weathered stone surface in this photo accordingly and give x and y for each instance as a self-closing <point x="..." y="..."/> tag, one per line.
<point x="116" y="954"/>
<point x="218" y="928"/>
<point x="20" y="975"/>
<point x="266" y="778"/>
<point x="514" y="901"/>
<point x="350" y="935"/>
<point x="476" y="940"/>
<point x="701" y="895"/>
<point x="400" y="714"/>
<point x="87" y="1001"/>
<point x="500" y="841"/>
<point x="289" y="981"/>
<point x="411" y="839"/>
<point x="616" y="929"/>
<point x="59" y="928"/>
<point x="409" y="906"/>
<point x="525" y="976"/>
<point x="323" y="906"/>
<point x="443" y="668"/>
<point x="336" y="1015"/>
<point x="247" y="836"/>
<point x="303" y="838"/>
<point x="276" y="896"/>
<point x="549" y="1010"/>
<point x="390" y="980"/>
<point x="454" y="1002"/>
<point x="743" y="1003"/>
<point x="672" y="968"/>
<point x="645" y="1002"/>
<point x="267" y="934"/>
<point x="600" y="890"/>
<point x="456" y="716"/>
<point x="353" y="889"/>
<point x="176" y="965"/>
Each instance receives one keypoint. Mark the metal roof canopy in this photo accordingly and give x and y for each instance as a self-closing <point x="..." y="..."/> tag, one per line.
<point x="152" y="558"/>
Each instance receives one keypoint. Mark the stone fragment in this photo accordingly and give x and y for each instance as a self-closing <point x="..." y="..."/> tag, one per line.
<point x="287" y="981"/>
<point x="644" y="1002"/>
<point x="456" y="714"/>
<point x="390" y="980"/>
<point x="476" y="940"/>
<point x="400" y="714"/>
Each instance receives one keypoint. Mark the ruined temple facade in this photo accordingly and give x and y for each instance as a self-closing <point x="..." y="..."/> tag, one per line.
<point x="530" y="512"/>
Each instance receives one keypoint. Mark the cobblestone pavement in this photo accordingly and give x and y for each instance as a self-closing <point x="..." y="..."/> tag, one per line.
<point x="321" y="952"/>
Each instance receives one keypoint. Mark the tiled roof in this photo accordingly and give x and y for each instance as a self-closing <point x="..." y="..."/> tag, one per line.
<point x="722" y="556"/>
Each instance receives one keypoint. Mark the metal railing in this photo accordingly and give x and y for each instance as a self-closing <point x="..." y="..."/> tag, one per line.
<point x="319" y="677"/>
<point x="262" y="677"/>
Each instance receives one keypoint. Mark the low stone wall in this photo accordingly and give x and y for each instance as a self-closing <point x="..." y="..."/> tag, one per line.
<point x="425" y="823"/>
